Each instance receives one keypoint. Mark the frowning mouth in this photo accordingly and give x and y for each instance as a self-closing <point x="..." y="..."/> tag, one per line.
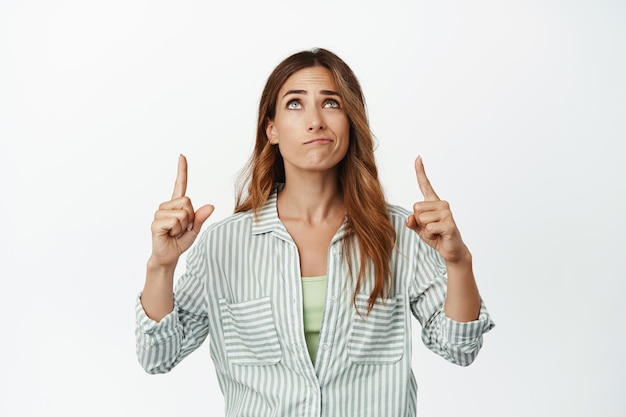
<point x="319" y="141"/>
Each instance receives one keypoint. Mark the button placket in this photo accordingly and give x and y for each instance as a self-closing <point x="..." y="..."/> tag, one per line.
<point x="330" y="315"/>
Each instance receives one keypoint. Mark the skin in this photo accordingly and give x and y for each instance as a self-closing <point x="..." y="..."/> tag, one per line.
<point x="312" y="132"/>
<point x="310" y="127"/>
<point x="432" y="220"/>
<point x="174" y="229"/>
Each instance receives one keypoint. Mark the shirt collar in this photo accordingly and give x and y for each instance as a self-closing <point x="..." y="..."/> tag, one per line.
<point x="268" y="220"/>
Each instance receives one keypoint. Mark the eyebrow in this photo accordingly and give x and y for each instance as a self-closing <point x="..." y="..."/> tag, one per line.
<point x="323" y="92"/>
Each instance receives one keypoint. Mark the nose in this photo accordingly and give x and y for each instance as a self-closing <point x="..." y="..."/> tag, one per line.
<point x="315" y="121"/>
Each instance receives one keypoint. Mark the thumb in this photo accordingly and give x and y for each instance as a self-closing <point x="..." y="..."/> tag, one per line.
<point x="411" y="223"/>
<point x="200" y="217"/>
<point x="193" y="229"/>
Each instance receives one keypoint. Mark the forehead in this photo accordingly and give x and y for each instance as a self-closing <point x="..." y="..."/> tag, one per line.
<point x="309" y="79"/>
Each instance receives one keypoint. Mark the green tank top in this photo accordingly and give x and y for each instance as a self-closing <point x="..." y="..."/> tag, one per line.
<point x="313" y="300"/>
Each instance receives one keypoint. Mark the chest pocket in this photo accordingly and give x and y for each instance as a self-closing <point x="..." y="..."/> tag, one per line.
<point x="377" y="338"/>
<point x="250" y="336"/>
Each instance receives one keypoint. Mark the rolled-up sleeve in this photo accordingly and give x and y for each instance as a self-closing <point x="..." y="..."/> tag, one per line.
<point x="456" y="342"/>
<point x="161" y="346"/>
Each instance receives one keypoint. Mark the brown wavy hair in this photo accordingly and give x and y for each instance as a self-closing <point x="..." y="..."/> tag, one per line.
<point x="367" y="218"/>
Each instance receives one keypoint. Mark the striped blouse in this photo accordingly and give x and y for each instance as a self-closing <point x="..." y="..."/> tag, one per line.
<point x="242" y="289"/>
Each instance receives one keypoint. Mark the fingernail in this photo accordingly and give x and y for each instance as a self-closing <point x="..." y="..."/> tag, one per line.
<point x="190" y="227"/>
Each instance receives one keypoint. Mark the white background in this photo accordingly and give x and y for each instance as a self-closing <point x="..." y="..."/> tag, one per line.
<point x="517" y="107"/>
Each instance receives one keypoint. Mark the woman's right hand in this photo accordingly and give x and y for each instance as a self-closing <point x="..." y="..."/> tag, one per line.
<point x="176" y="225"/>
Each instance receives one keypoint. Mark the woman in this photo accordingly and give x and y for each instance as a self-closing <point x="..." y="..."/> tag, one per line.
<point x="307" y="290"/>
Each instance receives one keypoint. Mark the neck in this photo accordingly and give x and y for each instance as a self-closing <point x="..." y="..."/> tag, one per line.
<point x="313" y="198"/>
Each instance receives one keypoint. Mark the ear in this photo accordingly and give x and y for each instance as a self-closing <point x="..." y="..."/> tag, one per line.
<point x="270" y="132"/>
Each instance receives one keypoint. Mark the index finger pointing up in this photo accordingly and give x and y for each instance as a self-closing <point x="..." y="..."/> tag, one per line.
<point x="180" y="187"/>
<point x="423" y="182"/>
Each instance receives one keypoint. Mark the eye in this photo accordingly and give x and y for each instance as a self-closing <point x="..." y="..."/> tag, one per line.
<point x="331" y="103"/>
<point x="293" y="104"/>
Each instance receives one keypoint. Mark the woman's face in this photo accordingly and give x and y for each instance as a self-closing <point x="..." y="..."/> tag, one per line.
<point x="310" y="127"/>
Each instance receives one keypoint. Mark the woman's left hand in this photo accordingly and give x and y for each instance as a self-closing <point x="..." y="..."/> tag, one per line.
<point x="432" y="220"/>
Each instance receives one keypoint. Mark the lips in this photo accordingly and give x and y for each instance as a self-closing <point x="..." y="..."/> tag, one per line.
<point x="320" y="141"/>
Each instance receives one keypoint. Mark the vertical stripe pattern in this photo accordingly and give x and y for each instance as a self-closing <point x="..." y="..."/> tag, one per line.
<point x="242" y="289"/>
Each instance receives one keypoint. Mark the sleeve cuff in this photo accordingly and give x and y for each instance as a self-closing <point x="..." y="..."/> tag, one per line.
<point x="155" y="331"/>
<point x="467" y="336"/>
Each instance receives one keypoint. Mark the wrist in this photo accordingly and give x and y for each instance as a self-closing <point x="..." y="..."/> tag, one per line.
<point x="462" y="261"/>
<point x="154" y="268"/>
